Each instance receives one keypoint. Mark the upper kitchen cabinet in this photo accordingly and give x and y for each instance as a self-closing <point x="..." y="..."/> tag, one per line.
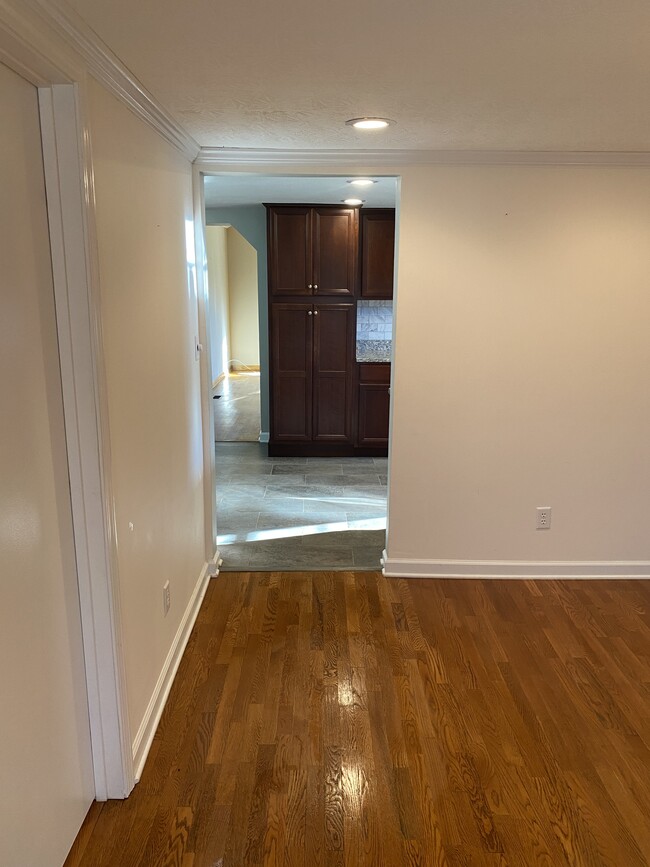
<point x="377" y="253"/>
<point x="312" y="250"/>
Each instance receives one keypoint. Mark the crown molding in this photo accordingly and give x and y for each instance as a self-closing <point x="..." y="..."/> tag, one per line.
<point x="35" y="22"/>
<point x="211" y="158"/>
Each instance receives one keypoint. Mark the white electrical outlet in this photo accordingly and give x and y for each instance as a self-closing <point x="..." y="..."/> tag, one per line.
<point x="167" y="599"/>
<point x="543" y="518"/>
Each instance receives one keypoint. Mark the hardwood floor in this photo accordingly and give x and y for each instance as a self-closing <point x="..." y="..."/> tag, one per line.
<point x="349" y="719"/>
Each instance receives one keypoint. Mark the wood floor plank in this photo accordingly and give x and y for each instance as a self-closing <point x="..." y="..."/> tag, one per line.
<point x="350" y="720"/>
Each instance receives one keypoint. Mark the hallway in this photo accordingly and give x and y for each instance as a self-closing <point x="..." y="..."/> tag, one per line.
<point x="298" y="513"/>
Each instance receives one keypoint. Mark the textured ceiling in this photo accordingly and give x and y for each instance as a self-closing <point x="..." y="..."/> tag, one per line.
<point x="454" y="74"/>
<point x="250" y="189"/>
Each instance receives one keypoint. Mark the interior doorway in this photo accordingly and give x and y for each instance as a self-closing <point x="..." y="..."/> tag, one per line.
<point x="234" y="323"/>
<point x="299" y="511"/>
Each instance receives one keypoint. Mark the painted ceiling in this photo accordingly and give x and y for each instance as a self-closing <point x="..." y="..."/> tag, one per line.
<point x="453" y="74"/>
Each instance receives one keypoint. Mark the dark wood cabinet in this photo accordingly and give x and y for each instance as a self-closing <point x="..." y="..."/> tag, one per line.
<point x="377" y="253"/>
<point x="374" y="405"/>
<point x="313" y="250"/>
<point x="291" y="372"/>
<point x="290" y="257"/>
<point x="322" y="401"/>
<point x="312" y="372"/>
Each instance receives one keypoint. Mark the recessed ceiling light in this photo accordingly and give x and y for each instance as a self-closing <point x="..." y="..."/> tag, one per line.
<point x="368" y="122"/>
<point x="362" y="182"/>
<point x="353" y="201"/>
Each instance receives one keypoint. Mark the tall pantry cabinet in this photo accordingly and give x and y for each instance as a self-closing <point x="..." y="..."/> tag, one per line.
<point x="312" y="270"/>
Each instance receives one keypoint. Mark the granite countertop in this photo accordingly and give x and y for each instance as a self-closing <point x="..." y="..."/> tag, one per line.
<point x="376" y="351"/>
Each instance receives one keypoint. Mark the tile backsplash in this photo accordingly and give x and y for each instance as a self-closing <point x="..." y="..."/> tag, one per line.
<point x="374" y="320"/>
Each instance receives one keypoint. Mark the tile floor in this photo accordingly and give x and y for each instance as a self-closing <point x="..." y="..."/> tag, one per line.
<point x="237" y="410"/>
<point x="298" y="513"/>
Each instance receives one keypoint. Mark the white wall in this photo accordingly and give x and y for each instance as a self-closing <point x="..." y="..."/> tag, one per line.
<point x="216" y="249"/>
<point x="45" y="758"/>
<point x="522" y="364"/>
<point x="242" y="289"/>
<point x="149" y="318"/>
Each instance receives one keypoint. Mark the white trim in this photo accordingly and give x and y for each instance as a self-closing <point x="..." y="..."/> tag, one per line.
<point x="207" y="403"/>
<point x="145" y="734"/>
<point x="211" y="158"/>
<point x="412" y="568"/>
<point x="264" y="437"/>
<point x="34" y="26"/>
<point x="69" y="189"/>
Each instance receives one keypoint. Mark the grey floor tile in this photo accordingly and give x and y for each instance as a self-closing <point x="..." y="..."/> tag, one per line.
<point x="367" y="558"/>
<point x="369" y="481"/>
<point x="322" y="493"/>
<point x="236" y="520"/>
<point x="235" y="556"/>
<point x="281" y="521"/>
<point x="325" y="506"/>
<point x="238" y="503"/>
<point x="328" y="541"/>
<point x="304" y="491"/>
<point x="242" y="489"/>
<point x="324" y="465"/>
<point x="282" y="479"/>
<point x="322" y="478"/>
<point x="236" y="478"/>
<point x="360" y="472"/>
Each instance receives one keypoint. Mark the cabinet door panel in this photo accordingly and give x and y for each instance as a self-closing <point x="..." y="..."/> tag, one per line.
<point x="374" y="403"/>
<point x="333" y="375"/>
<point x="290" y="262"/>
<point x="377" y="254"/>
<point x="291" y="372"/>
<point x="334" y="245"/>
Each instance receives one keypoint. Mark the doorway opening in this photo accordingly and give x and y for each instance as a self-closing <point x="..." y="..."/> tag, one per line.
<point x="280" y="507"/>
<point x="234" y="324"/>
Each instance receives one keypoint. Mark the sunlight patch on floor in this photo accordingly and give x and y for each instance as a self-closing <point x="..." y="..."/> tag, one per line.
<point x="306" y="530"/>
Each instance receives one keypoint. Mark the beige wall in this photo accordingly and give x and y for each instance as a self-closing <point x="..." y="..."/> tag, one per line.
<point x="243" y="297"/>
<point x="218" y="299"/>
<point x="522" y="359"/>
<point x="46" y="775"/>
<point x="149" y="313"/>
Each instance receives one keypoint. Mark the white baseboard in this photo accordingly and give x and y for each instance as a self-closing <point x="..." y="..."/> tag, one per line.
<point x="411" y="568"/>
<point x="264" y="436"/>
<point x="145" y="734"/>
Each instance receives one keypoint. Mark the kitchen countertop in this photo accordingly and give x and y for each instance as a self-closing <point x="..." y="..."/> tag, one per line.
<point x="374" y="351"/>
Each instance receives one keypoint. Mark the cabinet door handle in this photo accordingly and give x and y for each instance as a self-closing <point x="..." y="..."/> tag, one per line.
<point x="309" y="312"/>
<point x="310" y="286"/>
<point x="315" y="285"/>
<point x="315" y="312"/>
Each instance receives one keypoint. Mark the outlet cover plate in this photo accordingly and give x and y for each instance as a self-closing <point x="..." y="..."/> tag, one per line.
<point x="543" y="518"/>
